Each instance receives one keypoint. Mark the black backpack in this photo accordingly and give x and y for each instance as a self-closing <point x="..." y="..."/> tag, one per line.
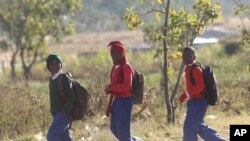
<point x="211" y="91"/>
<point x="81" y="95"/>
<point x="137" y="88"/>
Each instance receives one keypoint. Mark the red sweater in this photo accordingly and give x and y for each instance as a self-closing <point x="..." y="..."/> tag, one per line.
<point x="121" y="80"/>
<point x="197" y="90"/>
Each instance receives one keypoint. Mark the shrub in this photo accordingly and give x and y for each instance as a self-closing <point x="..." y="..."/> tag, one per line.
<point x="232" y="48"/>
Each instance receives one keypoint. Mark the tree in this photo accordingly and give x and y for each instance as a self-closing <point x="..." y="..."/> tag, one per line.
<point x="29" y="24"/>
<point x="179" y="29"/>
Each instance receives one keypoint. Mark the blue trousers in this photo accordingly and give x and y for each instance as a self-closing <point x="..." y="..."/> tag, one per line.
<point x="59" y="129"/>
<point x="194" y="123"/>
<point x="120" y="118"/>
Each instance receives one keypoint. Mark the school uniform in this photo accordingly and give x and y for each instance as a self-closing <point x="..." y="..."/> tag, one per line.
<point x="196" y="109"/>
<point x="60" y="109"/>
<point x="122" y="103"/>
<point x="121" y="99"/>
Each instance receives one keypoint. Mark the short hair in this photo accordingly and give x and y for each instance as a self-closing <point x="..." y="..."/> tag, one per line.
<point x="189" y="48"/>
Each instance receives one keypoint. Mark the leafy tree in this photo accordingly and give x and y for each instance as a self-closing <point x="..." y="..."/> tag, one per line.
<point x="29" y="24"/>
<point x="179" y="29"/>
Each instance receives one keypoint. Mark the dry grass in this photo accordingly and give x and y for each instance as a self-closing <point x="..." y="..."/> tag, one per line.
<point x="21" y="112"/>
<point x="89" y="42"/>
<point x="156" y="128"/>
<point x="23" y="115"/>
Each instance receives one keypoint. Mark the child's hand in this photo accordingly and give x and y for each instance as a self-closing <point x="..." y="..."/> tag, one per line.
<point x="107" y="91"/>
<point x="183" y="97"/>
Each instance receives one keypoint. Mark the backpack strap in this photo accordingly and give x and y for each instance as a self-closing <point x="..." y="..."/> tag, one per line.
<point x="122" y="72"/>
<point x="59" y="83"/>
<point x="191" y="76"/>
<point x="60" y="88"/>
<point x="133" y="71"/>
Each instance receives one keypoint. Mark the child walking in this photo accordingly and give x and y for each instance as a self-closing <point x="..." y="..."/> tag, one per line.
<point x="60" y="107"/>
<point x="196" y="105"/>
<point x="121" y="100"/>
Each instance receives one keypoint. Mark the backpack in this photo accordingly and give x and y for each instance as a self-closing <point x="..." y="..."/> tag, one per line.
<point x="137" y="88"/>
<point x="81" y="95"/>
<point x="211" y="92"/>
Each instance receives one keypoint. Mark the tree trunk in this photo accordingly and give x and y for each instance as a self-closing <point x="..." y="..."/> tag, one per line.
<point x="12" y="65"/>
<point x="28" y="66"/>
<point x="175" y="89"/>
<point x="14" y="51"/>
<point x="165" y="69"/>
<point x="27" y="74"/>
<point x="177" y="82"/>
<point x="189" y="43"/>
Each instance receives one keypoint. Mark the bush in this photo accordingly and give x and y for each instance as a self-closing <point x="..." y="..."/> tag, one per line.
<point x="232" y="48"/>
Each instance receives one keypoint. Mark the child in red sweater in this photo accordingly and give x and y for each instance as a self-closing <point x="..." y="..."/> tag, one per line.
<point x="121" y="100"/>
<point x="196" y="105"/>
